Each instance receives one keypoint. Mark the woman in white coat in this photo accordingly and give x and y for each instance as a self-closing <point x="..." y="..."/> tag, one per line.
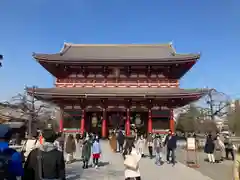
<point x="132" y="158"/>
<point x="79" y="144"/>
<point x="140" y="145"/>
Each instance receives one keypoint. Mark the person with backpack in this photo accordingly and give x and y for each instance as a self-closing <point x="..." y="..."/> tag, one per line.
<point x="45" y="162"/>
<point x="10" y="159"/>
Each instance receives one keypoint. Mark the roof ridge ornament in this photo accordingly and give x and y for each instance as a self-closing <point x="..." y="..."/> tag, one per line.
<point x="173" y="48"/>
<point x="65" y="48"/>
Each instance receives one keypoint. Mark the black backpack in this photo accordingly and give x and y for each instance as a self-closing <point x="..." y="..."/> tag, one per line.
<point x="5" y="159"/>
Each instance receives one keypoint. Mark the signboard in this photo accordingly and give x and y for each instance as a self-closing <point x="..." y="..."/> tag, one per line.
<point x="161" y="113"/>
<point x="191" y="144"/>
<point x="69" y="112"/>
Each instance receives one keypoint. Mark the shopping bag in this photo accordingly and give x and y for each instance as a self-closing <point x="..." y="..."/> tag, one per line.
<point x="130" y="162"/>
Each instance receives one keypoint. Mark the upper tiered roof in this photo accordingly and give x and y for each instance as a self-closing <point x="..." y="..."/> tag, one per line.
<point x="115" y="54"/>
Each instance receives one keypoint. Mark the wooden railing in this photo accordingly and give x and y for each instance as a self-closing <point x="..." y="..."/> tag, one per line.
<point x="113" y="83"/>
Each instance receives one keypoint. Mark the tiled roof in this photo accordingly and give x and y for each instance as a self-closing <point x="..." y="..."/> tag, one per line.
<point x="116" y="92"/>
<point x="116" y="53"/>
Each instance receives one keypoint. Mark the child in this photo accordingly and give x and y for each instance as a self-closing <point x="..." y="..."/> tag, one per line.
<point x="96" y="151"/>
<point x="86" y="153"/>
<point x="158" y="149"/>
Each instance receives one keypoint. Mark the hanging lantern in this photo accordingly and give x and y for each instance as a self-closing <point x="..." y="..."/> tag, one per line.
<point x="116" y="72"/>
<point x="138" y="120"/>
<point x="94" y="121"/>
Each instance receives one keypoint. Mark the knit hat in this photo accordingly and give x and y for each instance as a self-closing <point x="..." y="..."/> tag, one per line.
<point x="5" y="132"/>
<point x="49" y="135"/>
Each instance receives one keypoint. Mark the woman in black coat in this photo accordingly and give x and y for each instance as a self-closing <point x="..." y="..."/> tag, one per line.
<point x="209" y="148"/>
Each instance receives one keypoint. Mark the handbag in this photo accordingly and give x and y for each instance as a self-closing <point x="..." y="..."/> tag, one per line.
<point x="130" y="162"/>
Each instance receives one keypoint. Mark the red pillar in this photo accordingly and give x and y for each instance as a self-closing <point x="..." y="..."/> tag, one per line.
<point x="82" y="125"/>
<point x="172" y="122"/>
<point x="128" y="123"/>
<point x="61" y="121"/>
<point x="149" y="121"/>
<point x="104" y="124"/>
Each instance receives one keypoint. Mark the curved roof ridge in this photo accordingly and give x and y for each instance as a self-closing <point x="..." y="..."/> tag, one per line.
<point x="118" y="45"/>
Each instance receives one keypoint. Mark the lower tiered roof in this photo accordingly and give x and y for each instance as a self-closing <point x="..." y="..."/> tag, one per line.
<point x="49" y="94"/>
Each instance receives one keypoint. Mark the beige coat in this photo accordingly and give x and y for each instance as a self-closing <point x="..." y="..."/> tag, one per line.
<point x="236" y="168"/>
<point x="130" y="173"/>
<point x="29" y="145"/>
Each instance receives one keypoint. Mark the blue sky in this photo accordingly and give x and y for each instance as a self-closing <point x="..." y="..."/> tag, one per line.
<point x="211" y="27"/>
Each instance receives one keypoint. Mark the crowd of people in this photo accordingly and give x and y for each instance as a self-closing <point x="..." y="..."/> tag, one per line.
<point x="45" y="158"/>
<point x="134" y="147"/>
<point x="218" y="148"/>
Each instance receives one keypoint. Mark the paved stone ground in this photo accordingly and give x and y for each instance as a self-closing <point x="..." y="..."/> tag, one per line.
<point x="113" y="169"/>
<point x="218" y="171"/>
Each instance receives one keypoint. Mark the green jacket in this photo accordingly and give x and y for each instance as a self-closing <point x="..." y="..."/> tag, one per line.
<point x="86" y="151"/>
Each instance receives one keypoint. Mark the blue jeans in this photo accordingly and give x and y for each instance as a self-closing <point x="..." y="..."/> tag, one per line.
<point x="158" y="158"/>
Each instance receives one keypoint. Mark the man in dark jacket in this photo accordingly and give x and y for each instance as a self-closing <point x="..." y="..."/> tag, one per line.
<point x="14" y="166"/>
<point x="45" y="162"/>
<point x="171" y="143"/>
<point x="120" y="139"/>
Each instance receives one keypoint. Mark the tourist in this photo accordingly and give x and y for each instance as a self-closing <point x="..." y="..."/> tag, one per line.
<point x="113" y="142"/>
<point x="10" y="159"/>
<point x="209" y="148"/>
<point x="59" y="142"/>
<point x="86" y="152"/>
<point x="131" y="161"/>
<point x="171" y="143"/>
<point x="140" y="145"/>
<point x="47" y="158"/>
<point x="229" y="148"/>
<point x="120" y="139"/>
<point x="158" y="146"/>
<point x="96" y="151"/>
<point x="150" y="144"/>
<point x="79" y="144"/>
<point x="70" y="148"/>
<point x="236" y="170"/>
<point x="218" y="150"/>
<point x="30" y="144"/>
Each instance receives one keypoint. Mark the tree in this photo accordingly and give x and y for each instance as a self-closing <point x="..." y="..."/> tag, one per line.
<point x="234" y="121"/>
<point x="214" y="104"/>
<point x="205" y="126"/>
<point x="34" y="109"/>
<point x="186" y="122"/>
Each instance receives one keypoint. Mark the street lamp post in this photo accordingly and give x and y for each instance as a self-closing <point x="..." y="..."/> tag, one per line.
<point x="1" y="58"/>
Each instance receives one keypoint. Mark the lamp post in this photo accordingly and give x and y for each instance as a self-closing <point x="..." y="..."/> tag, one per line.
<point x="1" y="58"/>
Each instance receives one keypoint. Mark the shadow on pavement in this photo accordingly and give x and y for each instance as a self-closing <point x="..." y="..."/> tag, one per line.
<point x="73" y="177"/>
<point x="100" y="164"/>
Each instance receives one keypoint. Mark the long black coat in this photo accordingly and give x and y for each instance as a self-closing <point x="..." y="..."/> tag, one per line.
<point x="209" y="146"/>
<point x="53" y="165"/>
<point x="120" y="138"/>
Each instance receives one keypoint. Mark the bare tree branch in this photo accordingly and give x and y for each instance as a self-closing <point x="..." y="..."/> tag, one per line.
<point x="215" y="104"/>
